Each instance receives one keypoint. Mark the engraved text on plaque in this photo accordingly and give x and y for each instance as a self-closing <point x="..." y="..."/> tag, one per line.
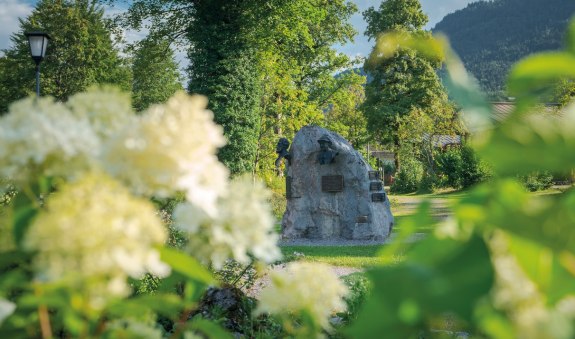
<point x="375" y="186"/>
<point x="378" y="197"/>
<point x="332" y="183"/>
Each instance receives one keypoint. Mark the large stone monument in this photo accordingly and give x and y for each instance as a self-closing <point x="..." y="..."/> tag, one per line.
<point x="332" y="193"/>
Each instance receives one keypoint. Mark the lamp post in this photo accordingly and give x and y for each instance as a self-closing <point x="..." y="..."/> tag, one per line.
<point x="38" y="42"/>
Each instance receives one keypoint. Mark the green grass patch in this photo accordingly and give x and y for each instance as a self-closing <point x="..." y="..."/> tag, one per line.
<point x="553" y="190"/>
<point x="420" y="228"/>
<point x="350" y="256"/>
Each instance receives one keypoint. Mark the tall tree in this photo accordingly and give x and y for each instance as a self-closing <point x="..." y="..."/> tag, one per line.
<point x="81" y="52"/>
<point x="343" y="115"/>
<point x="224" y="69"/>
<point x="295" y="42"/>
<point x="156" y="76"/>
<point x="405" y="85"/>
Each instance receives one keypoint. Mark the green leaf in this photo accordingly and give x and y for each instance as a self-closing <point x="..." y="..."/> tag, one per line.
<point x="22" y="211"/>
<point x="534" y="143"/>
<point x="45" y="184"/>
<point x="186" y="265"/>
<point x="533" y="76"/>
<point x="492" y="322"/>
<point x="22" y="221"/>
<point x="546" y="220"/>
<point x="13" y="259"/>
<point x="439" y="276"/>
<point x="74" y="322"/>
<point x="408" y="228"/>
<point x="466" y="93"/>
<point x="209" y="329"/>
<point x="544" y="268"/>
<point x="168" y="305"/>
<point x="56" y="299"/>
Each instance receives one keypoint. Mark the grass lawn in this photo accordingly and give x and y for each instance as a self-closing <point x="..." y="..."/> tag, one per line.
<point x="351" y="256"/>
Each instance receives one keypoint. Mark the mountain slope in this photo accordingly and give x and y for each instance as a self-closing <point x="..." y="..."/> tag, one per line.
<point x="490" y="36"/>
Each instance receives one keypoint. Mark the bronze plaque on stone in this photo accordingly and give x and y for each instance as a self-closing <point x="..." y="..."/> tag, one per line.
<point x="288" y="188"/>
<point x="375" y="186"/>
<point x="362" y="219"/>
<point x="374" y="175"/>
<point x="378" y="197"/>
<point x="332" y="183"/>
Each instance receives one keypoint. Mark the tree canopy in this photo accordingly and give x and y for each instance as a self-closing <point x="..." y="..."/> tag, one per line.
<point x="156" y="76"/>
<point x="405" y="89"/>
<point x="80" y="53"/>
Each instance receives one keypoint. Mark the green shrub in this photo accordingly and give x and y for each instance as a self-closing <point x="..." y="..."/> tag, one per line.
<point x="408" y="177"/>
<point x="461" y="167"/>
<point x="359" y="288"/>
<point x="278" y="203"/>
<point x="449" y="164"/>
<point x="429" y="183"/>
<point x="537" y="181"/>
<point x="473" y="169"/>
<point x="277" y="186"/>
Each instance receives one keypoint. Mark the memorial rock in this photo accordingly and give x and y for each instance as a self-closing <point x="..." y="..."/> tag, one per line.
<point x="332" y="193"/>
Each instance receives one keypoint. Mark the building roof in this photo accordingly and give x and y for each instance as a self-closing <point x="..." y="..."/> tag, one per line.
<point x="502" y="110"/>
<point x="445" y="140"/>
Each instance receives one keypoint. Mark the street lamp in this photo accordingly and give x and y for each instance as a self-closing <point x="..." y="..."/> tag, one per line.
<point x="38" y="42"/>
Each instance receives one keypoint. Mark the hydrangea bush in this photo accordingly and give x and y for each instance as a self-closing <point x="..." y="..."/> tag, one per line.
<point x="309" y="288"/>
<point x="82" y="229"/>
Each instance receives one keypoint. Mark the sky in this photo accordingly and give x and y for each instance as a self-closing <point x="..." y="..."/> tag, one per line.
<point x="11" y="10"/>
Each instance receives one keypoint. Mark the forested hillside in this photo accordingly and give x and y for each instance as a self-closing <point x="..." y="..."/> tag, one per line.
<point x="490" y="36"/>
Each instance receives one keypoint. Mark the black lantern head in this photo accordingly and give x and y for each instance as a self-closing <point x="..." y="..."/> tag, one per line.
<point x="38" y="42"/>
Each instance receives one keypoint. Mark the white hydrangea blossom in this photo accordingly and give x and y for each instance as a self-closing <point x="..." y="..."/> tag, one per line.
<point x="243" y="225"/>
<point x="95" y="234"/>
<point x="313" y="287"/>
<point x="107" y="109"/>
<point x="6" y="309"/>
<point x="172" y="147"/>
<point x="41" y="137"/>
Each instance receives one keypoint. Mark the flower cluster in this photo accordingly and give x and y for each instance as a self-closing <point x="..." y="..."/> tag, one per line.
<point x="171" y="148"/>
<point x="243" y="225"/>
<point x="312" y="287"/>
<point x="93" y="229"/>
<point x="42" y="137"/>
<point x="95" y="232"/>
<point x="108" y="110"/>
